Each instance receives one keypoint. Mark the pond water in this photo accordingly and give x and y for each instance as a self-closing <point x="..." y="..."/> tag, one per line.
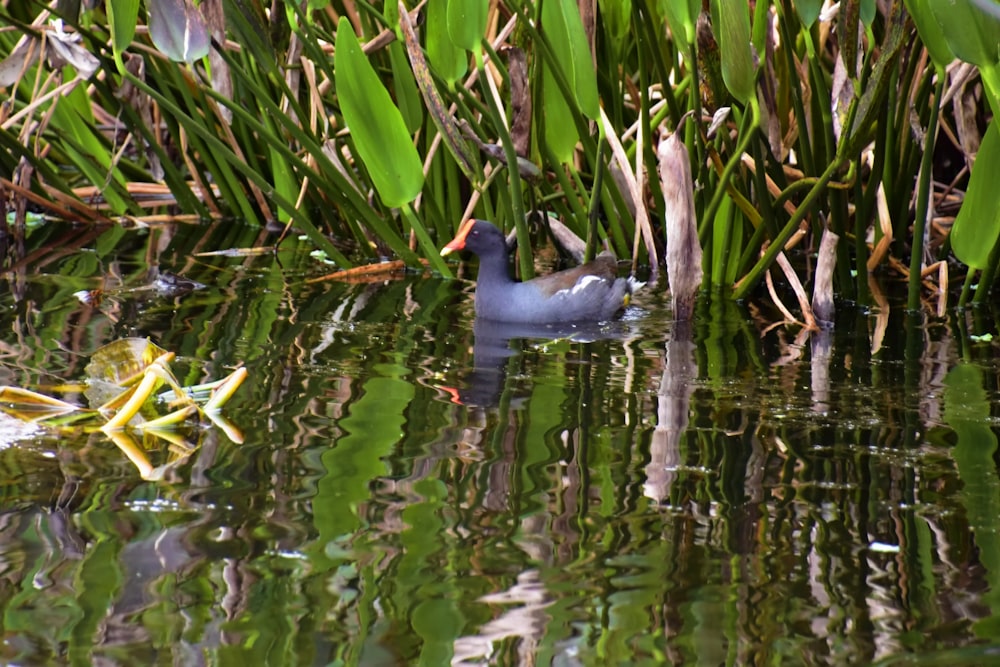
<point x="413" y="489"/>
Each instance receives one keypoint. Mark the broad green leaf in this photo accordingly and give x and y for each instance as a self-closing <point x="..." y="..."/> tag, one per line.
<point x="178" y="30"/>
<point x="808" y="11"/>
<point x="467" y="23"/>
<point x="868" y="11"/>
<point x="449" y="62"/>
<point x="930" y="32"/>
<point x="558" y="129"/>
<point x="733" y="33"/>
<point x="564" y="31"/>
<point x="681" y="17"/>
<point x="977" y="225"/>
<point x="376" y="125"/>
<point x="122" y="18"/>
<point x="972" y="34"/>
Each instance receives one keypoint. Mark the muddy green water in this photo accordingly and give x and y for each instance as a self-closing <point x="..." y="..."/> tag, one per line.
<point x="407" y="492"/>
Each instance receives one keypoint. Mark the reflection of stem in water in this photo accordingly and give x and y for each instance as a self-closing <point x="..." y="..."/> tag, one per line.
<point x="676" y="388"/>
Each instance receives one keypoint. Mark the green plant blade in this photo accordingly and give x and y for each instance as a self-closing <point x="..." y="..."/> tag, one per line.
<point x="559" y="135"/>
<point x="681" y="16"/>
<point x="467" y="23"/>
<point x="977" y="225"/>
<point x="564" y="31"/>
<point x="122" y="18"/>
<point x="930" y="32"/>
<point x="376" y="125"/>
<point x="450" y="62"/>
<point x="808" y="11"/>
<point x="972" y="33"/>
<point x="733" y="31"/>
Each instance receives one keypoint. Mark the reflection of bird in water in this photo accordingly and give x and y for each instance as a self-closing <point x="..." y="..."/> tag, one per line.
<point x="492" y="348"/>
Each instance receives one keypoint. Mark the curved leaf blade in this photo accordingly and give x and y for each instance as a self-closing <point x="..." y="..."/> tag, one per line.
<point x="449" y="61"/>
<point x="563" y="28"/>
<point x="467" y="23"/>
<point x="738" y="70"/>
<point x="977" y="226"/>
<point x="972" y="33"/>
<point x="122" y="19"/>
<point x="930" y="32"/>
<point x="376" y="125"/>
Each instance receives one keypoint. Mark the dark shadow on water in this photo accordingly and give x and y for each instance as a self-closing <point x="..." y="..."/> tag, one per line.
<point x="495" y="342"/>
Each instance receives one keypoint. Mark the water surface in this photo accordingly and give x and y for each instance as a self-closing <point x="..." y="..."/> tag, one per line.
<point x="414" y="488"/>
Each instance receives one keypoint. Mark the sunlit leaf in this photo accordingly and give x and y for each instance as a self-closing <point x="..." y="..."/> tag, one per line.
<point x="467" y="22"/>
<point x="563" y="29"/>
<point x="136" y="398"/>
<point x="171" y="419"/>
<point x="178" y="29"/>
<point x="972" y="34"/>
<point x="558" y="131"/>
<point x="977" y="225"/>
<point x="122" y="18"/>
<point x="733" y="32"/>
<point x="930" y="32"/>
<point x="681" y="16"/>
<point x="376" y="125"/>
<point x="449" y="62"/>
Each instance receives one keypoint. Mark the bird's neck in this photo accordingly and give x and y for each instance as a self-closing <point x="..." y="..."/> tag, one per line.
<point x="494" y="270"/>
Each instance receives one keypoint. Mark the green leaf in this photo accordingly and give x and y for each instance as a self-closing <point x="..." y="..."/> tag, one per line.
<point x="868" y="11"/>
<point x="564" y="31"/>
<point x="376" y="125"/>
<point x="122" y="19"/>
<point x="178" y="30"/>
<point x="467" y="23"/>
<point x="681" y="16"/>
<point x="930" y="32"/>
<point x="808" y="11"/>
<point x="558" y="130"/>
<point x="972" y="33"/>
<point x="733" y="32"/>
<point x="449" y="62"/>
<point x="977" y="225"/>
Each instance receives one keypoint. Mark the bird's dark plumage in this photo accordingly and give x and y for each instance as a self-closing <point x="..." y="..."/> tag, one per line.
<point x="591" y="292"/>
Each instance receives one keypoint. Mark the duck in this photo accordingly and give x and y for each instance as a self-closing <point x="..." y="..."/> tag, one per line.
<point x="589" y="293"/>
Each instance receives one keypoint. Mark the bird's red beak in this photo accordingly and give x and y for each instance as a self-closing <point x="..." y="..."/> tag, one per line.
<point x="458" y="243"/>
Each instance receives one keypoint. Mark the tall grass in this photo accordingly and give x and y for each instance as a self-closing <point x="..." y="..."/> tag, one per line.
<point x="820" y="121"/>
